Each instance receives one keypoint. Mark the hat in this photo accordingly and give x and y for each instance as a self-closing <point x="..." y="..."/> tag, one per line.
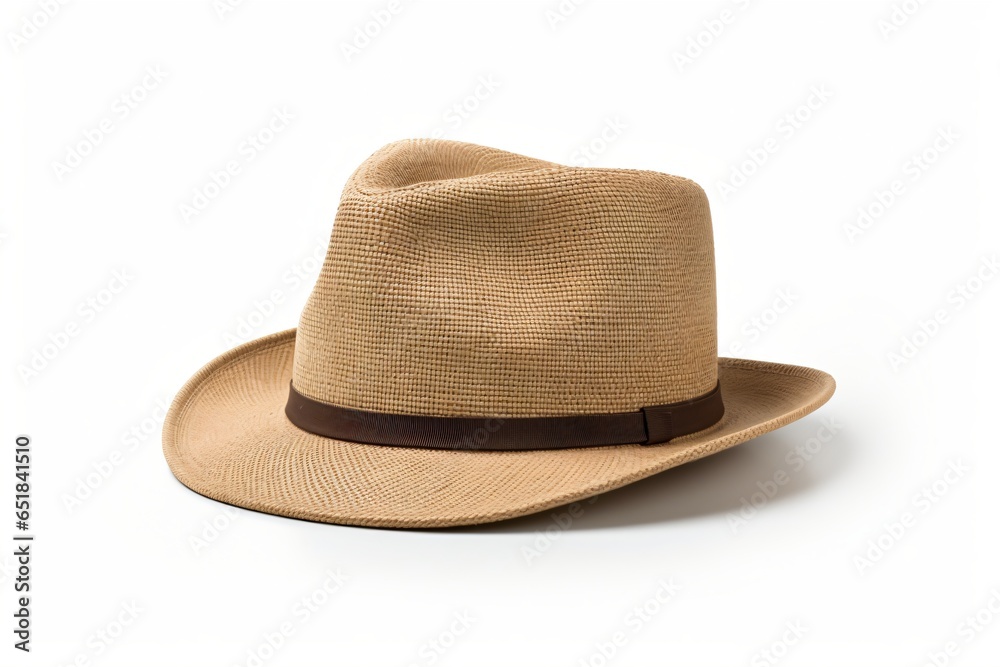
<point x="490" y="336"/>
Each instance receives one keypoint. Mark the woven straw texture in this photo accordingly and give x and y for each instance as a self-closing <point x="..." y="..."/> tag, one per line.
<point x="462" y="280"/>
<point x="475" y="282"/>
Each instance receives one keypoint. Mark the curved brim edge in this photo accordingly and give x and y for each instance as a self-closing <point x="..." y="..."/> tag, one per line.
<point x="226" y="437"/>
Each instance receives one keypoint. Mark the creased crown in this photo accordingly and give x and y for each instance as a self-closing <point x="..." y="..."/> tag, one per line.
<point x="462" y="280"/>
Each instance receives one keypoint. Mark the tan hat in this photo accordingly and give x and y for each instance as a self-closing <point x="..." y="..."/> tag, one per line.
<point x="490" y="336"/>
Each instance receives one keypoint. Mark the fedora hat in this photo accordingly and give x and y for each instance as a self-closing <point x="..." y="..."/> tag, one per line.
<point x="490" y="336"/>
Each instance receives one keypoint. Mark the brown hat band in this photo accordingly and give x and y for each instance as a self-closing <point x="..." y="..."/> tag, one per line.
<point x="647" y="426"/>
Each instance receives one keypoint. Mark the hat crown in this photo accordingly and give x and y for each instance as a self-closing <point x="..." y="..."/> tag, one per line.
<point x="462" y="280"/>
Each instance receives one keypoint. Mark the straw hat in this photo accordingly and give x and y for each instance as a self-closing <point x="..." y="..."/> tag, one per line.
<point x="490" y="336"/>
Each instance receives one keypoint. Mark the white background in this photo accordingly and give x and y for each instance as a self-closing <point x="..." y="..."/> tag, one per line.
<point x="604" y="77"/>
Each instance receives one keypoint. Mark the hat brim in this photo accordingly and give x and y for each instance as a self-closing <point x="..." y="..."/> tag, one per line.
<point x="226" y="437"/>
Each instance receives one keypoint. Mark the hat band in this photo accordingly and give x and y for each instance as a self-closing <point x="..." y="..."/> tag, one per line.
<point x="647" y="426"/>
